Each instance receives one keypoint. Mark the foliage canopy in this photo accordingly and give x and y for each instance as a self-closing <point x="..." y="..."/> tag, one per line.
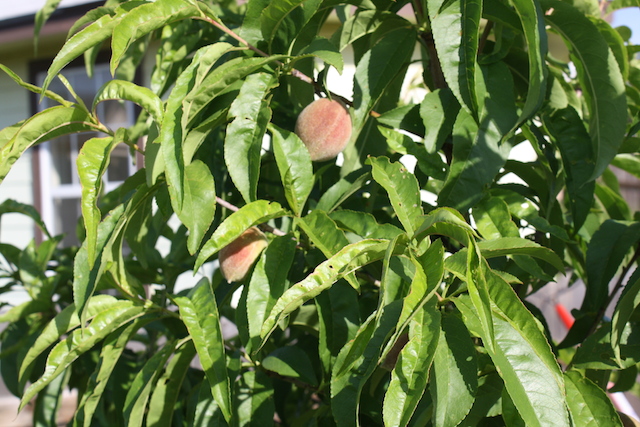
<point x="393" y="287"/>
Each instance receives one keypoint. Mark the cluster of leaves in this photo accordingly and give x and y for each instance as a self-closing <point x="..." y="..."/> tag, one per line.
<point x="386" y="295"/>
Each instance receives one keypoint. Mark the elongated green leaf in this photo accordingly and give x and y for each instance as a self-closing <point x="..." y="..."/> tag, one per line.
<point x="567" y="129"/>
<point x="341" y="190"/>
<point x="364" y="225"/>
<point x="86" y="278"/>
<point x="600" y="78"/>
<point x="536" y="391"/>
<point x="478" y="151"/>
<point x="285" y="19"/>
<point x="620" y="4"/>
<point x="49" y="401"/>
<point x="535" y="34"/>
<point x="454" y="373"/>
<point x="411" y="373"/>
<point x="326" y="51"/>
<point x="243" y="140"/>
<point x="588" y="403"/>
<point x="294" y="164"/>
<point x="448" y="222"/>
<point x="220" y="80"/>
<point x="171" y="134"/>
<point x="607" y="250"/>
<point x="199" y="313"/>
<point x="124" y="90"/>
<point x="247" y="216"/>
<point x="350" y="258"/>
<point x="291" y="361"/>
<point x="81" y="340"/>
<point x="455" y="26"/>
<point x="92" y="162"/>
<point x="438" y="111"/>
<point x="13" y="206"/>
<point x="268" y="282"/>
<point x="517" y="245"/>
<point x="629" y="300"/>
<point x="144" y="19"/>
<point x="135" y="404"/>
<point x="42" y="16"/>
<point x="48" y="124"/>
<point x="199" y="204"/>
<point x="167" y="389"/>
<point x="35" y="89"/>
<point x="356" y="362"/>
<point x="402" y="188"/>
<point x="112" y="349"/>
<point x="254" y="400"/>
<point x="377" y="69"/>
<point x="323" y="232"/>
<point x="92" y="35"/>
<point x="476" y="279"/>
<point x="493" y="219"/>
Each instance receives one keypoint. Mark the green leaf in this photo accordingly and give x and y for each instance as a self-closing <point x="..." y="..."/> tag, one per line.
<point x="626" y="305"/>
<point x="79" y="341"/>
<point x="411" y="372"/>
<point x="589" y="405"/>
<point x="600" y="79"/>
<point x="378" y="67"/>
<point x="438" y="111"/>
<point x="49" y="401"/>
<point x="448" y="222"/>
<point x="199" y="203"/>
<point x="294" y="164"/>
<point x="92" y="162"/>
<point x="607" y="250"/>
<point x="112" y="348"/>
<point x="350" y="258"/>
<point x="268" y="282"/>
<point x="335" y="195"/>
<point x="135" y="404"/>
<point x="199" y="312"/>
<point x="45" y="125"/>
<point x="144" y="19"/>
<point x="167" y="388"/>
<point x="35" y="89"/>
<point x="566" y="128"/>
<point x="124" y="90"/>
<point x="402" y="188"/>
<point x="326" y="51"/>
<point x="254" y="400"/>
<point x="364" y="225"/>
<point x="282" y="15"/>
<point x="323" y="232"/>
<point x="291" y="361"/>
<point x="235" y="224"/>
<point x="13" y="206"/>
<point x="171" y="134"/>
<point x="243" y="139"/>
<point x="535" y="34"/>
<point x="620" y="4"/>
<point x="478" y="151"/>
<point x="455" y="25"/>
<point x="519" y="246"/>
<point x="493" y="219"/>
<point x="63" y="322"/>
<point x="454" y="373"/>
<point x="42" y="16"/>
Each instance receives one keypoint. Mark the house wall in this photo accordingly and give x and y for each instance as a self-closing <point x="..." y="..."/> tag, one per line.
<point x="16" y="229"/>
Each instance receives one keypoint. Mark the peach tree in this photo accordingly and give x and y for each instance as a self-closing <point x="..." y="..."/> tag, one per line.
<point x="389" y="286"/>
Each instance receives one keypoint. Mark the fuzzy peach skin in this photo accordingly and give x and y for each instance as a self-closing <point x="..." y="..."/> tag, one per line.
<point x="325" y="128"/>
<point x="238" y="256"/>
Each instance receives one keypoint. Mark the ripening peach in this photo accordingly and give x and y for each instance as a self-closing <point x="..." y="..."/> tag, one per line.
<point x="325" y="128"/>
<point x="238" y="256"/>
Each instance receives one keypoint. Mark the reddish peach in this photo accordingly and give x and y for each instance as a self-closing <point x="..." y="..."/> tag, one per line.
<point x="325" y="128"/>
<point x="238" y="256"/>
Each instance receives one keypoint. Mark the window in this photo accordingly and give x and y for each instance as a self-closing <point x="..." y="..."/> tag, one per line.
<point x="59" y="190"/>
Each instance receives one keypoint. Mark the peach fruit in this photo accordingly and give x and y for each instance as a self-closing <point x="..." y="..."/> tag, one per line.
<point x="325" y="128"/>
<point x="238" y="256"/>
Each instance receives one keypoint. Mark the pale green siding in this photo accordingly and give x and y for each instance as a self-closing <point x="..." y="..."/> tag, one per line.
<point x="14" y="106"/>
